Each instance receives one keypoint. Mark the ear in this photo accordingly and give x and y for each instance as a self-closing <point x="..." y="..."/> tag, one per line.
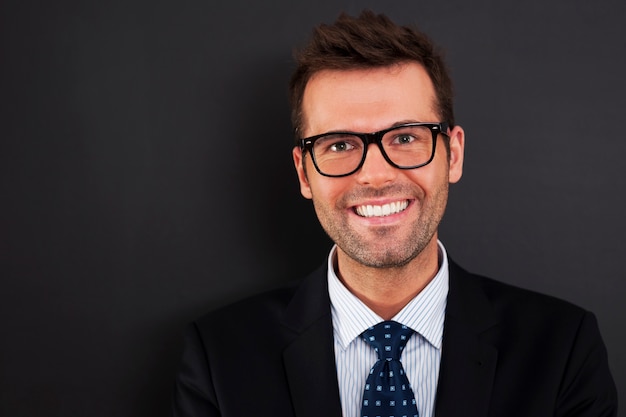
<point x="457" y="150"/>
<point x="298" y="161"/>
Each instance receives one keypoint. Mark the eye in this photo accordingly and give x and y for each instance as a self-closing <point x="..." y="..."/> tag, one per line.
<point x="337" y="144"/>
<point x="403" y="139"/>
<point x="341" y="146"/>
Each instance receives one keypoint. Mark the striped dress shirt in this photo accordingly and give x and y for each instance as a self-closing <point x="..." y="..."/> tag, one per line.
<point x="420" y="358"/>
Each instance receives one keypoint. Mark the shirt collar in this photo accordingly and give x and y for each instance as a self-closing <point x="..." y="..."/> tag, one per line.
<point x="425" y="313"/>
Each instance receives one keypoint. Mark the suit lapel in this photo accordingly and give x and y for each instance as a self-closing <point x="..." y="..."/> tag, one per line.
<point x="468" y="363"/>
<point x="310" y="359"/>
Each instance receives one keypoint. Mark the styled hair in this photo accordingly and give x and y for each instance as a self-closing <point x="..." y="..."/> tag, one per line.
<point x="367" y="41"/>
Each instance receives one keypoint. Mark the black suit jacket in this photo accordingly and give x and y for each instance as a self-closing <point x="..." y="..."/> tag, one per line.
<point x="506" y="352"/>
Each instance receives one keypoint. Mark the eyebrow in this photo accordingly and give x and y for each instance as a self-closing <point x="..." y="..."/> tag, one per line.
<point x="403" y="122"/>
<point x="395" y="124"/>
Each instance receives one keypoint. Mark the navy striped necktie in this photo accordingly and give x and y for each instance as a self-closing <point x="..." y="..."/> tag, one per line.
<point x="387" y="389"/>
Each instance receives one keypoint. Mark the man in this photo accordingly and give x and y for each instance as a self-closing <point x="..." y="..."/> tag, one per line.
<point x="471" y="346"/>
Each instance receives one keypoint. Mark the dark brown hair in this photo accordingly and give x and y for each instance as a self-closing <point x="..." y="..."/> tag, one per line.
<point x="368" y="41"/>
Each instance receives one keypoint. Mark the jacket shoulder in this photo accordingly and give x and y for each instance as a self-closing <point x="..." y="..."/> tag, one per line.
<point x="270" y="306"/>
<point x="504" y="296"/>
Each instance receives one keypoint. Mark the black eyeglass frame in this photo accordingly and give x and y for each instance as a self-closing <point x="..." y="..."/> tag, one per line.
<point x="306" y="144"/>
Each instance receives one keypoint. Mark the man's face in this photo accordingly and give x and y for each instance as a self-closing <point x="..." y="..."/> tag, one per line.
<point x="369" y="101"/>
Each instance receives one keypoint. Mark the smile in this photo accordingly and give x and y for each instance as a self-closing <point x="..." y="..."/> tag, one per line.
<point x="383" y="210"/>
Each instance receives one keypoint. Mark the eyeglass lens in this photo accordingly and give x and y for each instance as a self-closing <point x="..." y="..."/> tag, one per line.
<point x="406" y="147"/>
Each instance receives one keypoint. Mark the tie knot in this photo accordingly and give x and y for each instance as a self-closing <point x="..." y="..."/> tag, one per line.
<point x="388" y="339"/>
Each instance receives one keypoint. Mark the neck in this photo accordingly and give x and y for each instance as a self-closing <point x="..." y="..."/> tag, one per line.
<point x="387" y="290"/>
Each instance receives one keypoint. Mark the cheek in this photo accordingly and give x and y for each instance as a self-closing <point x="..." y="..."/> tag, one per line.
<point x="326" y="191"/>
<point x="429" y="175"/>
<point x="439" y="168"/>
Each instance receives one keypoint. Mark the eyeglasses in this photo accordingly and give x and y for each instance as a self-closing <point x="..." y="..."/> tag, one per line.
<point x="405" y="146"/>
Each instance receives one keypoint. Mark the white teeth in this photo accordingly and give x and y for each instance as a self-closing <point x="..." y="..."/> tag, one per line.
<point x="381" y="211"/>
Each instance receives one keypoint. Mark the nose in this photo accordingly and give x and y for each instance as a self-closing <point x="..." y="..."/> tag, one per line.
<point x="375" y="171"/>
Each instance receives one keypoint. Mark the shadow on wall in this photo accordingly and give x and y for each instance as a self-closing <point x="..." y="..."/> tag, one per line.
<point x="283" y="226"/>
<point x="278" y="227"/>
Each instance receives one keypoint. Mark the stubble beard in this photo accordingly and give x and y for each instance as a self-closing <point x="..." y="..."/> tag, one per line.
<point x="382" y="249"/>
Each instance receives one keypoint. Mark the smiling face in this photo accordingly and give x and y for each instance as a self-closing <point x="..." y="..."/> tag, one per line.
<point x="380" y="216"/>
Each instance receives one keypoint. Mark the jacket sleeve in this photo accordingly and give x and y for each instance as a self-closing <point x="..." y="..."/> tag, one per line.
<point x="194" y="395"/>
<point x="587" y="389"/>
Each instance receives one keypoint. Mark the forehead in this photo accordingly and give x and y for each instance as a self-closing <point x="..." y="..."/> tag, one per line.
<point x="368" y="99"/>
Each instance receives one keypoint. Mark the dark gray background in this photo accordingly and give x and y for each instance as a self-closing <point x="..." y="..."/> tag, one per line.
<point x="145" y="174"/>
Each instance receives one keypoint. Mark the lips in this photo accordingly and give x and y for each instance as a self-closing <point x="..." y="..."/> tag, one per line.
<point x="381" y="210"/>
